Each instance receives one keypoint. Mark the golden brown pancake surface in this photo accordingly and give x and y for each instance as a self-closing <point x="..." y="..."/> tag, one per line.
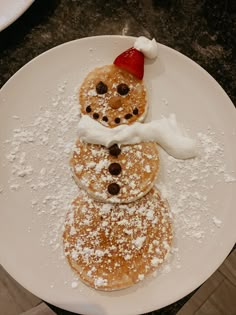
<point x="103" y="96"/>
<point x="113" y="246"/>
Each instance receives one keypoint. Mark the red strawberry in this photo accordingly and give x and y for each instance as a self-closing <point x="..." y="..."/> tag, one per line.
<point x="132" y="61"/>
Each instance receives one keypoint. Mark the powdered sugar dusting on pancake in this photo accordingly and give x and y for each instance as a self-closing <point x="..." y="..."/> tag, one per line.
<point x="115" y="246"/>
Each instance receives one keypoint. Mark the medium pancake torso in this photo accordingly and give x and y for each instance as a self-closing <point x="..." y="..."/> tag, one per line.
<point x="139" y="164"/>
<point x="113" y="246"/>
<point x="111" y="108"/>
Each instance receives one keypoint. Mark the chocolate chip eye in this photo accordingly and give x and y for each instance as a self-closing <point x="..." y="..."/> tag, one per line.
<point x="123" y="89"/>
<point x="101" y="88"/>
<point x="117" y="120"/>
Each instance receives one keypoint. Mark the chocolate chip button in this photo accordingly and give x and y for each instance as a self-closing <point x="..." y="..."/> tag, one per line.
<point x="123" y="89"/>
<point x="101" y="88"/>
<point x="113" y="189"/>
<point x="114" y="150"/>
<point x="114" y="168"/>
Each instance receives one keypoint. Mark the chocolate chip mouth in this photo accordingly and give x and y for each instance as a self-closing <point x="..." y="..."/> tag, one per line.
<point x="114" y="102"/>
<point x="88" y="109"/>
<point x="95" y="116"/>
<point x="105" y="118"/>
<point x="117" y="120"/>
<point x="128" y="116"/>
<point x="135" y="111"/>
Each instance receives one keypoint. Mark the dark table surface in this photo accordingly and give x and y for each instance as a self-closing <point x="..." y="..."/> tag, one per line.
<point x="205" y="31"/>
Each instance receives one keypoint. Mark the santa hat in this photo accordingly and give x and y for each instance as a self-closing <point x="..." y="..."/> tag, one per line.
<point x="132" y="60"/>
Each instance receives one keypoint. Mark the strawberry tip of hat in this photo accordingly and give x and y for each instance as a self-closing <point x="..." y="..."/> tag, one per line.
<point x="131" y="60"/>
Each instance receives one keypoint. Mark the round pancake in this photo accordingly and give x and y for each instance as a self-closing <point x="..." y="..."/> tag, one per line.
<point x="138" y="163"/>
<point x="111" y="108"/>
<point x="113" y="246"/>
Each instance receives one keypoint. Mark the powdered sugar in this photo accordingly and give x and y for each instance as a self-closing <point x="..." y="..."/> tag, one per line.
<point x="39" y="153"/>
<point x="229" y="178"/>
<point x="74" y="284"/>
<point x="217" y="222"/>
<point x="138" y="242"/>
<point x="189" y="187"/>
<point x="99" y="282"/>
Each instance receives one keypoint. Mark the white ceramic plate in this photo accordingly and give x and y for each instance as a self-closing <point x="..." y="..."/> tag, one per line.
<point x="38" y="118"/>
<point x="10" y="10"/>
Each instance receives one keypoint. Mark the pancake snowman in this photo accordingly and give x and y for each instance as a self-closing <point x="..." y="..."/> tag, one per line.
<point x="118" y="229"/>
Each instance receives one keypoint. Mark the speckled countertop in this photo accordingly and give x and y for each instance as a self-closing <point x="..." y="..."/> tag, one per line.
<point x="205" y="31"/>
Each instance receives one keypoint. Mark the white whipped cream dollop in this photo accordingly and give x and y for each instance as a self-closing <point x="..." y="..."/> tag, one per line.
<point x="164" y="131"/>
<point x="147" y="46"/>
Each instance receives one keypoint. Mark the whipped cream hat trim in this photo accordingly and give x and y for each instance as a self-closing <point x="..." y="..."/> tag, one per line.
<point x="147" y="46"/>
<point x="132" y="60"/>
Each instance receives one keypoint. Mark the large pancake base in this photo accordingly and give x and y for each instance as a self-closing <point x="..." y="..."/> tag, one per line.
<point x="113" y="246"/>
